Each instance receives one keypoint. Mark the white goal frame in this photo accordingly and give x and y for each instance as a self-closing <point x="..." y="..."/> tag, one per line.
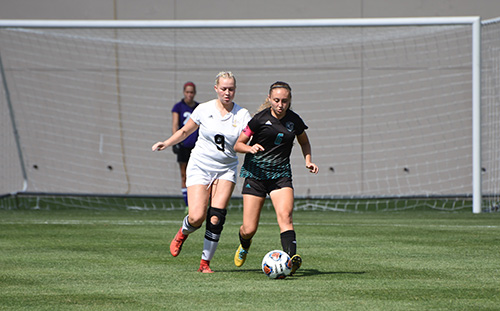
<point x="474" y="21"/>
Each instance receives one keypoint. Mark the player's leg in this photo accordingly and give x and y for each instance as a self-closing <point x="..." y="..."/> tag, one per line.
<point x="283" y="205"/>
<point x="182" y="158"/>
<point x="221" y="191"/>
<point x="198" y="196"/>
<point x="182" y="168"/>
<point x="252" y="206"/>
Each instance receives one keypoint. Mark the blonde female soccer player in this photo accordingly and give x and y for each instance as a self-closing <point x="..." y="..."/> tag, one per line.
<point x="266" y="168"/>
<point x="212" y="168"/>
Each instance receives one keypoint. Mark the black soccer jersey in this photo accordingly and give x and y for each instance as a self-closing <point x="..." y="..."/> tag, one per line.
<point x="276" y="136"/>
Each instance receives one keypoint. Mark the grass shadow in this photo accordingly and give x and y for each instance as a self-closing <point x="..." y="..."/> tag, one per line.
<point x="300" y="272"/>
<point x="313" y="272"/>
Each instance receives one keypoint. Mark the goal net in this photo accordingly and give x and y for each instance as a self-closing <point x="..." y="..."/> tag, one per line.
<point x="388" y="105"/>
<point x="490" y="122"/>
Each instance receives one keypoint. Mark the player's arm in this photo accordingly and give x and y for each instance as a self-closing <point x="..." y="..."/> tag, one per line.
<point x="177" y="137"/>
<point x="242" y="146"/>
<point x="175" y="127"/>
<point x="303" y="140"/>
<point x="175" y="122"/>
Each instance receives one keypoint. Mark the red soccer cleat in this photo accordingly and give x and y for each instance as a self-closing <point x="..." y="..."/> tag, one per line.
<point x="205" y="267"/>
<point x="176" y="244"/>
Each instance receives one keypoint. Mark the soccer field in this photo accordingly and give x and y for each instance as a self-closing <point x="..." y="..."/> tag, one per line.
<point x="119" y="260"/>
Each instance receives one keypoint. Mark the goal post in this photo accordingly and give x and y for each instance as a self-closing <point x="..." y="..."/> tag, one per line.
<point x="490" y="114"/>
<point x="393" y="105"/>
<point x="476" y="117"/>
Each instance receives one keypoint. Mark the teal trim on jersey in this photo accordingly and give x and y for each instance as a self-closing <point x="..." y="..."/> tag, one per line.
<point x="263" y="169"/>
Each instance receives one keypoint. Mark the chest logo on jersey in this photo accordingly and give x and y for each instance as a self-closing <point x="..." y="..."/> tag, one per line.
<point x="186" y="115"/>
<point x="290" y="126"/>
<point x="268" y="123"/>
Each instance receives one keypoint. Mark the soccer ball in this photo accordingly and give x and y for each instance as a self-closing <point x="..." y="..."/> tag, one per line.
<point x="277" y="264"/>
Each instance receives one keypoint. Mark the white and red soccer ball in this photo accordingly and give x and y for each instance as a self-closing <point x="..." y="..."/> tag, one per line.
<point x="277" y="264"/>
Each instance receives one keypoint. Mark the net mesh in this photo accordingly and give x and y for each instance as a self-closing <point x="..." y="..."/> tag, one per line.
<point x="388" y="108"/>
<point x="490" y="123"/>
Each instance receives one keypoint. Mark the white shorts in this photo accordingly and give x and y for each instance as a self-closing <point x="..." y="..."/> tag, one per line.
<point x="199" y="174"/>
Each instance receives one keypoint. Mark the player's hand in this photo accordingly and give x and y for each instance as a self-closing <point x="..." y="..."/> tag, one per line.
<point x="159" y="146"/>
<point x="313" y="168"/>
<point x="256" y="148"/>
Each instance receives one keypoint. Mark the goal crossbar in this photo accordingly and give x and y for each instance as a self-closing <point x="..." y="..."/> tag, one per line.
<point x="343" y="22"/>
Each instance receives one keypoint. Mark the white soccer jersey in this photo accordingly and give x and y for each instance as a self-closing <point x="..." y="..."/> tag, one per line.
<point x="214" y="149"/>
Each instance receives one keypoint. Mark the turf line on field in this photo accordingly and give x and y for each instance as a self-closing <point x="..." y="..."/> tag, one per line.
<point x="165" y="222"/>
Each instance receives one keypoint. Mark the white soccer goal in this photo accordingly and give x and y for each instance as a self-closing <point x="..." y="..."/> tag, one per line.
<point x="392" y="105"/>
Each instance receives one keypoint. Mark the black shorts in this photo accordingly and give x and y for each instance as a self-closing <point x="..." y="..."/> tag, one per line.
<point x="261" y="188"/>
<point x="183" y="154"/>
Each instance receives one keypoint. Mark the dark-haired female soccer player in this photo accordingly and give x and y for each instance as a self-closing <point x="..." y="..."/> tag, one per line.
<point x="267" y="170"/>
<point x="180" y="115"/>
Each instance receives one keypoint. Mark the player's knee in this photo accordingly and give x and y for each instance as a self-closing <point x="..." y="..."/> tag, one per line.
<point x="216" y="217"/>
<point x="248" y="231"/>
<point x="196" y="221"/>
<point x="285" y="219"/>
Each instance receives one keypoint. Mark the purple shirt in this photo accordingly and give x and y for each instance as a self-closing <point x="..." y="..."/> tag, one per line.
<point x="184" y="112"/>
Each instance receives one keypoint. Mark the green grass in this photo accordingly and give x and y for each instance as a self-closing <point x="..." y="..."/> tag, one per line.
<point x="119" y="260"/>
